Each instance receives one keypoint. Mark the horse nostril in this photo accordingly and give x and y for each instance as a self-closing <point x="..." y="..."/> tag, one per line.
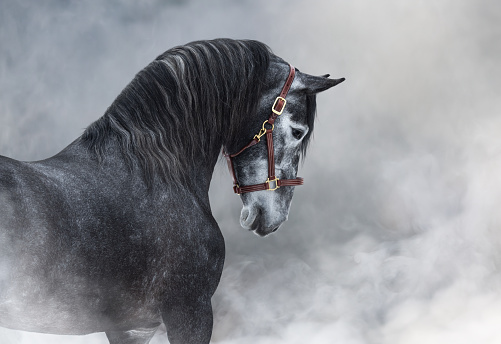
<point x="275" y="229"/>
<point x="244" y="215"/>
<point x="248" y="217"/>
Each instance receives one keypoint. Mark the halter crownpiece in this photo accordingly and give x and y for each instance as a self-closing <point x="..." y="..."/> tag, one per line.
<point x="272" y="183"/>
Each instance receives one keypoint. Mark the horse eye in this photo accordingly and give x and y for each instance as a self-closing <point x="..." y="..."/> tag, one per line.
<point x="297" y="133"/>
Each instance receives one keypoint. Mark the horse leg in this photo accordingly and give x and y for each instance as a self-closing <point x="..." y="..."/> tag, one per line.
<point x="136" y="336"/>
<point x="189" y="322"/>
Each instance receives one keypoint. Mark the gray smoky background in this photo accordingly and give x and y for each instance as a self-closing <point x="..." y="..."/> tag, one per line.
<point x="395" y="237"/>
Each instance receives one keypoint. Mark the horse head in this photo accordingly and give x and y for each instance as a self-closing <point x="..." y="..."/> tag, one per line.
<point x="265" y="174"/>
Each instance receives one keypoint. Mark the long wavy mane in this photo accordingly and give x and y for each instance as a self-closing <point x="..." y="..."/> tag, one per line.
<point x="172" y="108"/>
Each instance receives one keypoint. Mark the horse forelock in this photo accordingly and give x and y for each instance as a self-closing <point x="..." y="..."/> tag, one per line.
<point x="184" y="105"/>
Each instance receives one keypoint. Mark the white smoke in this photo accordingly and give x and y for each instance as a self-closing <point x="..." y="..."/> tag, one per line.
<point x="394" y="238"/>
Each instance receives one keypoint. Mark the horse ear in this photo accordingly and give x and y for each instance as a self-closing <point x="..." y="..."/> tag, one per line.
<point x="315" y="84"/>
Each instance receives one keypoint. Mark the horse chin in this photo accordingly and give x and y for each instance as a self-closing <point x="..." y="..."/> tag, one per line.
<point x="253" y="219"/>
<point x="262" y="232"/>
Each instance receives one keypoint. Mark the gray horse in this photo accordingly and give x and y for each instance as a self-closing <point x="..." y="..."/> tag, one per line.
<point x="115" y="233"/>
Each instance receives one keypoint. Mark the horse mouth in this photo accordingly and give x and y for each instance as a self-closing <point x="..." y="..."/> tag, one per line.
<point x="262" y="232"/>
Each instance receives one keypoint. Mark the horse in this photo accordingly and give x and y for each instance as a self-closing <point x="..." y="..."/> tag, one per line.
<point x="115" y="233"/>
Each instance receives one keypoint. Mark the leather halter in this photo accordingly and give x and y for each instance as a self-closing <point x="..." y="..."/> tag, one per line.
<point x="276" y="110"/>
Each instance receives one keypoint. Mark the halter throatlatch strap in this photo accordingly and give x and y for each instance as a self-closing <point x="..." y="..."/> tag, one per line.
<point x="272" y="183"/>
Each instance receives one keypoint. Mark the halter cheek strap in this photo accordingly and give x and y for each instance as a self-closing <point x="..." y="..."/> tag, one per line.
<point x="272" y="183"/>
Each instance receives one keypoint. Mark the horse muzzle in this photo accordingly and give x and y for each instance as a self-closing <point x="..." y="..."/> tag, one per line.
<point x="255" y="219"/>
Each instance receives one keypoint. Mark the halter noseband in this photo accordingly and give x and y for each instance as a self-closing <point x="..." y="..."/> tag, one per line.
<point x="276" y="110"/>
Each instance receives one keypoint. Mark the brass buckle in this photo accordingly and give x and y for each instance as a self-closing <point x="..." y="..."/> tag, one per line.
<point x="275" y="103"/>
<point x="263" y="131"/>
<point x="235" y="188"/>
<point x="268" y="181"/>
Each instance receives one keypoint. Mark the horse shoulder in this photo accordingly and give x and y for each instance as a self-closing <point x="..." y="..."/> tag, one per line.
<point x="13" y="196"/>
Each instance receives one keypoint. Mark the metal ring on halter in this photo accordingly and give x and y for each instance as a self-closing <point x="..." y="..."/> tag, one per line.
<point x="268" y="181"/>
<point x="263" y="131"/>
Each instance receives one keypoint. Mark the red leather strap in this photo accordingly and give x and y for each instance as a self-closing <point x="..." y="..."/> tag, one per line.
<point x="265" y="186"/>
<point x="250" y="188"/>
<point x="254" y="141"/>
<point x="231" y="168"/>
<point x="271" y="154"/>
<point x="229" y="160"/>
<point x="288" y="82"/>
<point x="290" y="182"/>
<point x="280" y="103"/>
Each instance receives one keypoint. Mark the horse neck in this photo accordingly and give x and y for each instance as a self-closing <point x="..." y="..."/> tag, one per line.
<point x="176" y="137"/>
<point x="199" y="173"/>
<point x="195" y="176"/>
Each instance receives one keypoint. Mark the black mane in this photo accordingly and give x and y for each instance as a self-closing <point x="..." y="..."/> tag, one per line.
<point x="173" y="107"/>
